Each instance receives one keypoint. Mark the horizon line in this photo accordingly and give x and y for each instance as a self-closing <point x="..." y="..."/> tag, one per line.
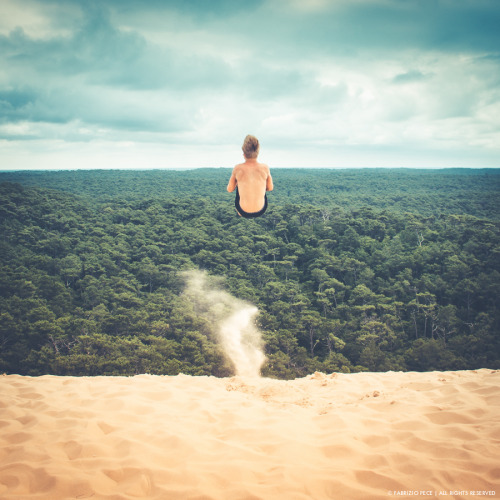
<point x="144" y="169"/>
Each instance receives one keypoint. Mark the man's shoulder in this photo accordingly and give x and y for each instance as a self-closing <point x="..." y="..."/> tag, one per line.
<point x="264" y="167"/>
<point x="244" y="167"/>
<point x="238" y="171"/>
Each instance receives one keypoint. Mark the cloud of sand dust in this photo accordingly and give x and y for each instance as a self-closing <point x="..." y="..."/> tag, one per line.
<point x="231" y="320"/>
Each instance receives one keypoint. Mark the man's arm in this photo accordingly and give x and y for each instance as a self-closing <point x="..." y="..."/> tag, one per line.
<point x="269" y="183"/>
<point x="232" y="183"/>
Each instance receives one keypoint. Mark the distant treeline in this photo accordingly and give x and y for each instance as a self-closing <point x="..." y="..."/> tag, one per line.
<point x="351" y="270"/>
<point x="424" y="192"/>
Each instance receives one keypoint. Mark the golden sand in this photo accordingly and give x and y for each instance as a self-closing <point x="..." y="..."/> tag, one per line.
<point x="339" y="436"/>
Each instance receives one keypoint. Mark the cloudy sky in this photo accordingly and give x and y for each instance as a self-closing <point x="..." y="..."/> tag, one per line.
<point x="179" y="83"/>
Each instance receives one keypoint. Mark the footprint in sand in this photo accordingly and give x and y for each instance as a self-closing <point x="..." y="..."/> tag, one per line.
<point x="20" y="477"/>
<point x="135" y="481"/>
<point x="106" y="428"/>
<point x="72" y="449"/>
<point x="19" y="437"/>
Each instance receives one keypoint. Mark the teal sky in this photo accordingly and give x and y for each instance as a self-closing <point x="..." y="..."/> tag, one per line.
<point x="321" y="83"/>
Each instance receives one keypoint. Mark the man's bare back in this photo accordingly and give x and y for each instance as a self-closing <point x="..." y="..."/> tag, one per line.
<point x="252" y="179"/>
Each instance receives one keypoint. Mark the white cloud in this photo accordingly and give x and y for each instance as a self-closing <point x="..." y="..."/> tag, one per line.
<point x="358" y="82"/>
<point x="36" y="19"/>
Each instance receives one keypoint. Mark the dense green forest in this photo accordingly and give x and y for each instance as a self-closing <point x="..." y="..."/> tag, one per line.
<point x="371" y="269"/>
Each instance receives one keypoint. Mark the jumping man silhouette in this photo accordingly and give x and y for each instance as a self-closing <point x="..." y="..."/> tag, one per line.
<point x="251" y="180"/>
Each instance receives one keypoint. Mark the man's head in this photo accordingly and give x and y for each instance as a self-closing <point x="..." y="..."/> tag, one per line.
<point x="250" y="146"/>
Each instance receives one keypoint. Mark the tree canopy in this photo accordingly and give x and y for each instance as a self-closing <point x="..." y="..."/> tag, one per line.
<point x="351" y="270"/>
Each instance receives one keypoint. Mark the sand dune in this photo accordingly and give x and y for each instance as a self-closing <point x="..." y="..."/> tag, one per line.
<point x="357" y="436"/>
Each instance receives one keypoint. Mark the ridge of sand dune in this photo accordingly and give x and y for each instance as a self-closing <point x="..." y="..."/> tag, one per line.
<point x="338" y="436"/>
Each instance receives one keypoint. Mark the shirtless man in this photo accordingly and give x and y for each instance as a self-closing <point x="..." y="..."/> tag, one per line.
<point x="251" y="180"/>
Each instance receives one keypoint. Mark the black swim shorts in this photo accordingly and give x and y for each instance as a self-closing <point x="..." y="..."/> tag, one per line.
<point x="249" y="215"/>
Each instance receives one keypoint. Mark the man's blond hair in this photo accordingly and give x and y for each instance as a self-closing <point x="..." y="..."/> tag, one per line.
<point x="250" y="146"/>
